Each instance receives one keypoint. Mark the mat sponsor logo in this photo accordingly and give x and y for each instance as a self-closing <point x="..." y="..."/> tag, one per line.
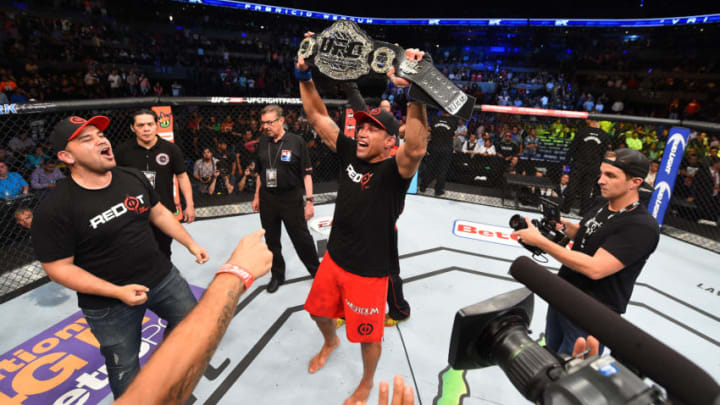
<point x="711" y="290"/>
<point x="484" y="232"/>
<point x="63" y="365"/>
<point x="322" y="225"/>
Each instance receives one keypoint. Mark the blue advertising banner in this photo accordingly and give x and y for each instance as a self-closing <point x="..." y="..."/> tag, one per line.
<point x="487" y="22"/>
<point x="665" y="180"/>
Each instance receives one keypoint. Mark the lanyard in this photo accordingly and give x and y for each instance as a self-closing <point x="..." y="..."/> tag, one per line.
<point x="270" y="162"/>
<point x="629" y="207"/>
<point x="596" y="225"/>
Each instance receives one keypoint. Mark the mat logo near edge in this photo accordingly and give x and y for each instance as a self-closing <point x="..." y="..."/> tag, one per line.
<point x="63" y="365"/>
<point x="484" y="232"/>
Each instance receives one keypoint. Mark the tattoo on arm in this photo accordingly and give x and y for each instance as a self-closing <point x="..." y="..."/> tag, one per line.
<point x="182" y="388"/>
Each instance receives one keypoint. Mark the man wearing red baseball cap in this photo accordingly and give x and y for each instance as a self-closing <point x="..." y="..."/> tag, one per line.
<point x="352" y="279"/>
<point x="91" y="235"/>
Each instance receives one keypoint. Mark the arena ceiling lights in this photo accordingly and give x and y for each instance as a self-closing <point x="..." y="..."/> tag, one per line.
<point x="499" y="22"/>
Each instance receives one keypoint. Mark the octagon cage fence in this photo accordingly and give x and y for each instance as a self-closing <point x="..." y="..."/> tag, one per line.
<point x="229" y="127"/>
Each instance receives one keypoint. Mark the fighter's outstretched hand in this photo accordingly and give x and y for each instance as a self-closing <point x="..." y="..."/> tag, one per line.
<point x="410" y="54"/>
<point x="132" y="294"/>
<point x="252" y="254"/>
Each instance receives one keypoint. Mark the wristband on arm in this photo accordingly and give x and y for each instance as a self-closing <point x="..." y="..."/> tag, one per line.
<point x="243" y="274"/>
<point x="303" y="76"/>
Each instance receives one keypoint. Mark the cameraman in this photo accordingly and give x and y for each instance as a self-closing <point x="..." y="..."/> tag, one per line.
<point x="220" y="183"/>
<point x="611" y="245"/>
<point x="247" y="181"/>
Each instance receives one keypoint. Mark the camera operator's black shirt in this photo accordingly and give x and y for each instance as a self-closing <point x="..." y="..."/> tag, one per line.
<point x="289" y="156"/>
<point x="631" y="237"/>
<point x="369" y="201"/>
<point x="105" y="230"/>
<point x="164" y="159"/>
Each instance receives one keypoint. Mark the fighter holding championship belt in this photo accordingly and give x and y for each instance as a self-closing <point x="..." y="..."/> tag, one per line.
<point x="345" y="52"/>
<point x="352" y="278"/>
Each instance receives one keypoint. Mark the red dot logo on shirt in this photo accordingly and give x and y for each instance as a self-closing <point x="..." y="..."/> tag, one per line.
<point x="132" y="203"/>
<point x="364" y="181"/>
<point x="77" y="120"/>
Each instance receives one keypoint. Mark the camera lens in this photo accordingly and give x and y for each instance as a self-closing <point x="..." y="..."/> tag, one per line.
<point x="517" y="222"/>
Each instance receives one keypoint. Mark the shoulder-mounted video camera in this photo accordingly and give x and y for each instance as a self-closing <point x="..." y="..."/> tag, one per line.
<point x="495" y="332"/>
<point x="546" y="225"/>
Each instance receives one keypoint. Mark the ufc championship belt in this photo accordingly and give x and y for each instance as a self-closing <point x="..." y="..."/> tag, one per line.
<point x="345" y="52"/>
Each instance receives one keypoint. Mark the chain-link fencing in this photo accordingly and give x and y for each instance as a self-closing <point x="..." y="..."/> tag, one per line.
<point x="513" y="157"/>
<point x="227" y="128"/>
<point x="505" y="156"/>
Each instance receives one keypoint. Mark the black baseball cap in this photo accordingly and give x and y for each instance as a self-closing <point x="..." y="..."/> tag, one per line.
<point x="380" y="117"/>
<point x="67" y="129"/>
<point x="630" y="161"/>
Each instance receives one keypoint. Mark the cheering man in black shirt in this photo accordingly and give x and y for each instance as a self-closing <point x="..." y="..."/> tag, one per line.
<point x="398" y="307"/>
<point x="610" y="245"/>
<point x="91" y="235"/>
<point x="352" y="278"/>
<point x="159" y="160"/>
<point x="284" y="170"/>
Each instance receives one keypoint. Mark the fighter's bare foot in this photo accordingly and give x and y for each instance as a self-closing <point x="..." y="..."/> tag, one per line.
<point x="319" y="360"/>
<point x="361" y="394"/>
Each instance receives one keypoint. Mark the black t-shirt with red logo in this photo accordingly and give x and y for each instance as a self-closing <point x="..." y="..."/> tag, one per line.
<point x="370" y="199"/>
<point x="105" y="230"/>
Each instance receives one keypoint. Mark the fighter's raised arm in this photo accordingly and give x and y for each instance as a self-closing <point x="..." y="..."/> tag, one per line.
<point x="315" y="110"/>
<point x="411" y="153"/>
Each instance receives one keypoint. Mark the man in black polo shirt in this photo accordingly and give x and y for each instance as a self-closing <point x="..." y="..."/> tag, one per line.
<point x="159" y="160"/>
<point x="91" y="235"/>
<point x="284" y="169"/>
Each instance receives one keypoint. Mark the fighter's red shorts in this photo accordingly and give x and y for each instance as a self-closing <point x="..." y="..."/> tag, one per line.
<point x="361" y="300"/>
